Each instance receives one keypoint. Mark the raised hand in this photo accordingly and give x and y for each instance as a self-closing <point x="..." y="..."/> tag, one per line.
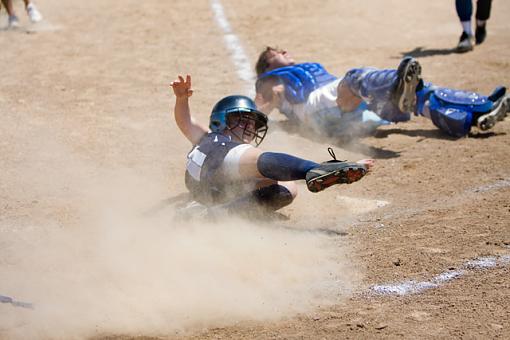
<point x="181" y="87"/>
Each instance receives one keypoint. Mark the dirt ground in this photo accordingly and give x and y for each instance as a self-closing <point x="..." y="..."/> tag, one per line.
<point x="86" y="121"/>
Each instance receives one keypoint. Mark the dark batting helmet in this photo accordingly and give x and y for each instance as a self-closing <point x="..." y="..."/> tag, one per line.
<point x="231" y="111"/>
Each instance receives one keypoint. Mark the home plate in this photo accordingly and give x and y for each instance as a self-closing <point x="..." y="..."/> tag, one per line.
<point x="358" y="206"/>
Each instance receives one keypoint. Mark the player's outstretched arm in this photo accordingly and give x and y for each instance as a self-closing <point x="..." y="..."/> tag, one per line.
<point x="186" y="123"/>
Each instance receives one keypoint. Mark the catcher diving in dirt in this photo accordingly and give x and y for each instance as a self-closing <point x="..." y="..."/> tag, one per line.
<point x="225" y="171"/>
<point x="367" y="97"/>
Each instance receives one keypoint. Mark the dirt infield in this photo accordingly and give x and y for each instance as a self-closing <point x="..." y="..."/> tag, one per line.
<point x="92" y="165"/>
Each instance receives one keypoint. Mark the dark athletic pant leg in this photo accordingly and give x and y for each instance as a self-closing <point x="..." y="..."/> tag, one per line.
<point x="270" y="198"/>
<point x="464" y="9"/>
<point x="483" y="9"/>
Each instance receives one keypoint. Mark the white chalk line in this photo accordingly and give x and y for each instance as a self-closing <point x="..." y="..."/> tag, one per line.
<point x="499" y="184"/>
<point x="414" y="287"/>
<point x="234" y="46"/>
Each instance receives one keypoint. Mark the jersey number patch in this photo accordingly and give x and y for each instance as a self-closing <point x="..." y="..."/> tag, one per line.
<point x="195" y="161"/>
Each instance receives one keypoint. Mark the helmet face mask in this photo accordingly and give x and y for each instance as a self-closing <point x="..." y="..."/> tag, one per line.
<point x="246" y="125"/>
<point x="239" y="116"/>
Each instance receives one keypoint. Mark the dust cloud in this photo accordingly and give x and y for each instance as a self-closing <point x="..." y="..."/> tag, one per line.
<point x="92" y="263"/>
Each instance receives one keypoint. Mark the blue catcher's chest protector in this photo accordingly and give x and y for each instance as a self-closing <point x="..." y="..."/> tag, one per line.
<point x="300" y="80"/>
<point x="452" y="110"/>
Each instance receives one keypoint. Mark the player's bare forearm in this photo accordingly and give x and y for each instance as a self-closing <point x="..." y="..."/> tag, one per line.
<point x="186" y="123"/>
<point x="263" y="105"/>
<point x="182" y="113"/>
<point x="269" y="98"/>
<point x="188" y="126"/>
<point x="346" y="100"/>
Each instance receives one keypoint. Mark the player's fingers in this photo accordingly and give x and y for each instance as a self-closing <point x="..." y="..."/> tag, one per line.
<point x="366" y="162"/>
<point x="190" y="92"/>
<point x="188" y="80"/>
<point x="181" y="79"/>
<point x="369" y="163"/>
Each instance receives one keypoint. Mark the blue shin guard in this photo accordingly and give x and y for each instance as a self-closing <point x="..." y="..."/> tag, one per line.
<point x="451" y="110"/>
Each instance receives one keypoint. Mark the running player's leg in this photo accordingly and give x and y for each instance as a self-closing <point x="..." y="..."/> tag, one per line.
<point x="483" y="12"/>
<point x="465" y="11"/>
<point x="8" y="7"/>
<point x="12" y="21"/>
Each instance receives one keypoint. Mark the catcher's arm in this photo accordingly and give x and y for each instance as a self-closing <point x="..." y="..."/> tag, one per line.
<point x="269" y="94"/>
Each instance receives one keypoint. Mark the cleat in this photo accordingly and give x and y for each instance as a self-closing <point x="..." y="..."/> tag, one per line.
<point x="465" y="43"/>
<point x="33" y="13"/>
<point x="480" y="34"/>
<point x="333" y="172"/>
<point x="499" y="112"/>
<point x="498" y="92"/>
<point x="408" y="79"/>
<point x="13" y="22"/>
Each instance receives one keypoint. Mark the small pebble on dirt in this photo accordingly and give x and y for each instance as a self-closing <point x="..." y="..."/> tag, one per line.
<point x="496" y="326"/>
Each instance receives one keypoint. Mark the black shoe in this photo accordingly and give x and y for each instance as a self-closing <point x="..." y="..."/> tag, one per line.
<point x="480" y="34"/>
<point x="498" y="92"/>
<point x="409" y="77"/>
<point x="333" y="172"/>
<point x="499" y="111"/>
<point x="465" y="43"/>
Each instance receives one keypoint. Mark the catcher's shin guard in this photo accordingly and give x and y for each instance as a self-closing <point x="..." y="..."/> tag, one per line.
<point x="456" y="111"/>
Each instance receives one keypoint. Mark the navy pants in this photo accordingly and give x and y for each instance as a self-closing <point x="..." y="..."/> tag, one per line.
<point x="465" y="9"/>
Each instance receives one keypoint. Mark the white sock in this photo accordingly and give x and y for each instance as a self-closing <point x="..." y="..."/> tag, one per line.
<point x="426" y="110"/>
<point x="480" y="22"/>
<point x="466" y="26"/>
